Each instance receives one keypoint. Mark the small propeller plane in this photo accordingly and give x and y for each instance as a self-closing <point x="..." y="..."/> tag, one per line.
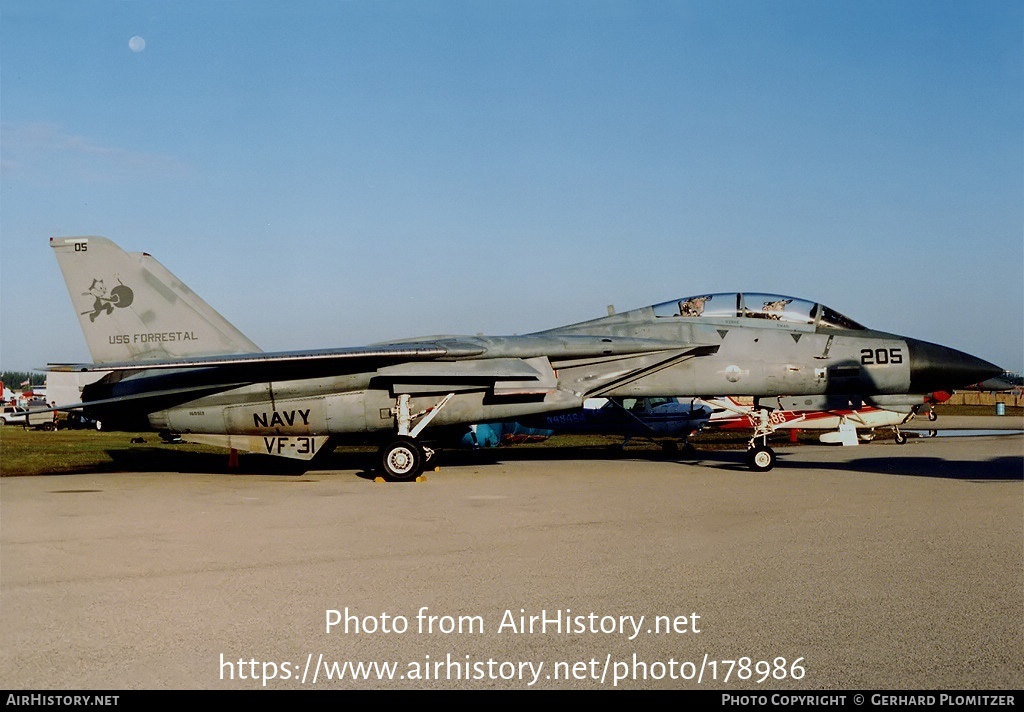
<point x="165" y="360"/>
<point x="840" y="416"/>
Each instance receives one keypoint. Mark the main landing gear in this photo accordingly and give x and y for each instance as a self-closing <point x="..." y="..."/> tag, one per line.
<point x="404" y="457"/>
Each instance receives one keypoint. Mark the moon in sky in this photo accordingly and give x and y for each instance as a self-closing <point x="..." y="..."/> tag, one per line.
<point x="136" y="44"/>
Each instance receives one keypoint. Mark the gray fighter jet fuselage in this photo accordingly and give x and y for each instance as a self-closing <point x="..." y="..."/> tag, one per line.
<point x="174" y="364"/>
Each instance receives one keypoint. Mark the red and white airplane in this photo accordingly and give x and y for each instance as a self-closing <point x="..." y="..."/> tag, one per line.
<point x="843" y="417"/>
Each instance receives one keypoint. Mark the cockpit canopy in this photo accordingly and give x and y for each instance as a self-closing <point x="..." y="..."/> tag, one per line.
<point x="754" y="305"/>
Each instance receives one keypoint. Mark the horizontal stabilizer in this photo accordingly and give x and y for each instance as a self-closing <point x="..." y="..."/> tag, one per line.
<point x="143" y="398"/>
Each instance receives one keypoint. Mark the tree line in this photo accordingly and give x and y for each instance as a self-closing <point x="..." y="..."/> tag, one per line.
<point x="14" y="379"/>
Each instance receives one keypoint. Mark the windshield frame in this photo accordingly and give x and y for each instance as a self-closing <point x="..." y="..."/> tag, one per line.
<point x="763" y="306"/>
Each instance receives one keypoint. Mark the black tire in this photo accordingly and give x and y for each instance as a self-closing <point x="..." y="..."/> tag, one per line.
<point x="761" y="458"/>
<point x="933" y="416"/>
<point x="901" y="438"/>
<point x="402" y="459"/>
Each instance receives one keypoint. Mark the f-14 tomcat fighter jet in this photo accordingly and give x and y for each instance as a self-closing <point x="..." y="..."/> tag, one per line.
<point x="170" y="362"/>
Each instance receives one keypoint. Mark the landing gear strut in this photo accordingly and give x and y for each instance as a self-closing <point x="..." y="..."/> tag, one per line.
<point x="404" y="458"/>
<point x="760" y="457"/>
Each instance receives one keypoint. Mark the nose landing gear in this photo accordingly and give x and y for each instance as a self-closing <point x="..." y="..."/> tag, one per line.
<point x="760" y="457"/>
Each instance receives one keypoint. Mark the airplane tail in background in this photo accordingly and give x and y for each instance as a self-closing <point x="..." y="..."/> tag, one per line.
<point x="132" y="308"/>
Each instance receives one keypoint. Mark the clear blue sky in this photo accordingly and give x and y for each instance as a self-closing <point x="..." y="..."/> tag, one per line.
<point x="336" y="173"/>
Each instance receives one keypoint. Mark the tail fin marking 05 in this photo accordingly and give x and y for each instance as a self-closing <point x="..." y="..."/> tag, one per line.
<point x="131" y="308"/>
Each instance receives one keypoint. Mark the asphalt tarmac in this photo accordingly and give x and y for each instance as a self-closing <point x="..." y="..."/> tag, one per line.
<point x="876" y="567"/>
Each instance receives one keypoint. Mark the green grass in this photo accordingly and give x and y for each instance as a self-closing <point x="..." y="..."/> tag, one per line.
<point x="36" y="452"/>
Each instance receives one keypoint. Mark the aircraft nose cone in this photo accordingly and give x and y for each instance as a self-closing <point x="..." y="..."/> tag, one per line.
<point x="936" y="368"/>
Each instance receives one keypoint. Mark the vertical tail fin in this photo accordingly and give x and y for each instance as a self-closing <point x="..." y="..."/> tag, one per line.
<point x="132" y="309"/>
